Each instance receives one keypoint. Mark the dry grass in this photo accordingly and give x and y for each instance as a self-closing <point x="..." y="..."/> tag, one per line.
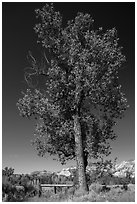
<point x="50" y="196"/>
<point x="94" y="195"/>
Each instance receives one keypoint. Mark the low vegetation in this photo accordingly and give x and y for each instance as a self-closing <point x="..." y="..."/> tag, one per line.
<point x="96" y="194"/>
<point x="19" y="188"/>
<point x="16" y="188"/>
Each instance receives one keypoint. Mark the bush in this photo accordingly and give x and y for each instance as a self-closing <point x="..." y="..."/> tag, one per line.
<point x="13" y="195"/>
<point x="96" y="187"/>
<point x="30" y="190"/>
<point x="71" y="191"/>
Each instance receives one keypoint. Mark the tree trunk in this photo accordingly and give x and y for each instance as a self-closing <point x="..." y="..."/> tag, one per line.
<point x="85" y="159"/>
<point x="80" y="156"/>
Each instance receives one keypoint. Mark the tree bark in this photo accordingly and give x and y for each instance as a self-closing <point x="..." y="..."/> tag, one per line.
<point x="85" y="159"/>
<point x="80" y="156"/>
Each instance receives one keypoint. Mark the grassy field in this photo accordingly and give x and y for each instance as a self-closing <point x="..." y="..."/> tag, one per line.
<point x="95" y="195"/>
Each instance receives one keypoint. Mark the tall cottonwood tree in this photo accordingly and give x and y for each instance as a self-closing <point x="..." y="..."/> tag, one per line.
<point x="82" y="99"/>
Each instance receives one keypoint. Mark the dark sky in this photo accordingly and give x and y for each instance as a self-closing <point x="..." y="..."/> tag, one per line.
<point x="18" y="36"/>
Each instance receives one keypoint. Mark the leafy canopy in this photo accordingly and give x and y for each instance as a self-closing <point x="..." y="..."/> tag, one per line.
<point x="81" y="78"/>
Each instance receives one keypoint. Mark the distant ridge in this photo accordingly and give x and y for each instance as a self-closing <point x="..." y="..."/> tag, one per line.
<point x="125" y="166"/>
<point x="120" y="170"/>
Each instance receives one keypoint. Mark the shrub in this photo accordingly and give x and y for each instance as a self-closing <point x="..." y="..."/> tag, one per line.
<point x="30" y="190"/>
<point x="105" y="188"/>
<point x="71" y="191"/>
<point x="96" y="187"/>
<point x="13" y="195"/>
<point x="125" y="187"/>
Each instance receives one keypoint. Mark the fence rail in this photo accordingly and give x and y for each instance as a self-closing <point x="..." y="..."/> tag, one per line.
<point x="59" y="185"/>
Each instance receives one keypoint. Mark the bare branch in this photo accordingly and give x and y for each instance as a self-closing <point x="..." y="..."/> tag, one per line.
<point x="30" y="57"/>
<point x="46" y="58"/>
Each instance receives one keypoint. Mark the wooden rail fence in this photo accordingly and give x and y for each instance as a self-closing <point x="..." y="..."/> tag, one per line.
<point x="106" y="187"/>
<point x="54" y="186"/>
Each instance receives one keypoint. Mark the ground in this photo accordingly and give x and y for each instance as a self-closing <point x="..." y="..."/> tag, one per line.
<point x="95" y="195"/>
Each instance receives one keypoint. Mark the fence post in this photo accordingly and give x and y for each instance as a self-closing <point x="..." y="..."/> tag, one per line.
<point x="55" y="189"/>
<point x="40" y="190"/>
